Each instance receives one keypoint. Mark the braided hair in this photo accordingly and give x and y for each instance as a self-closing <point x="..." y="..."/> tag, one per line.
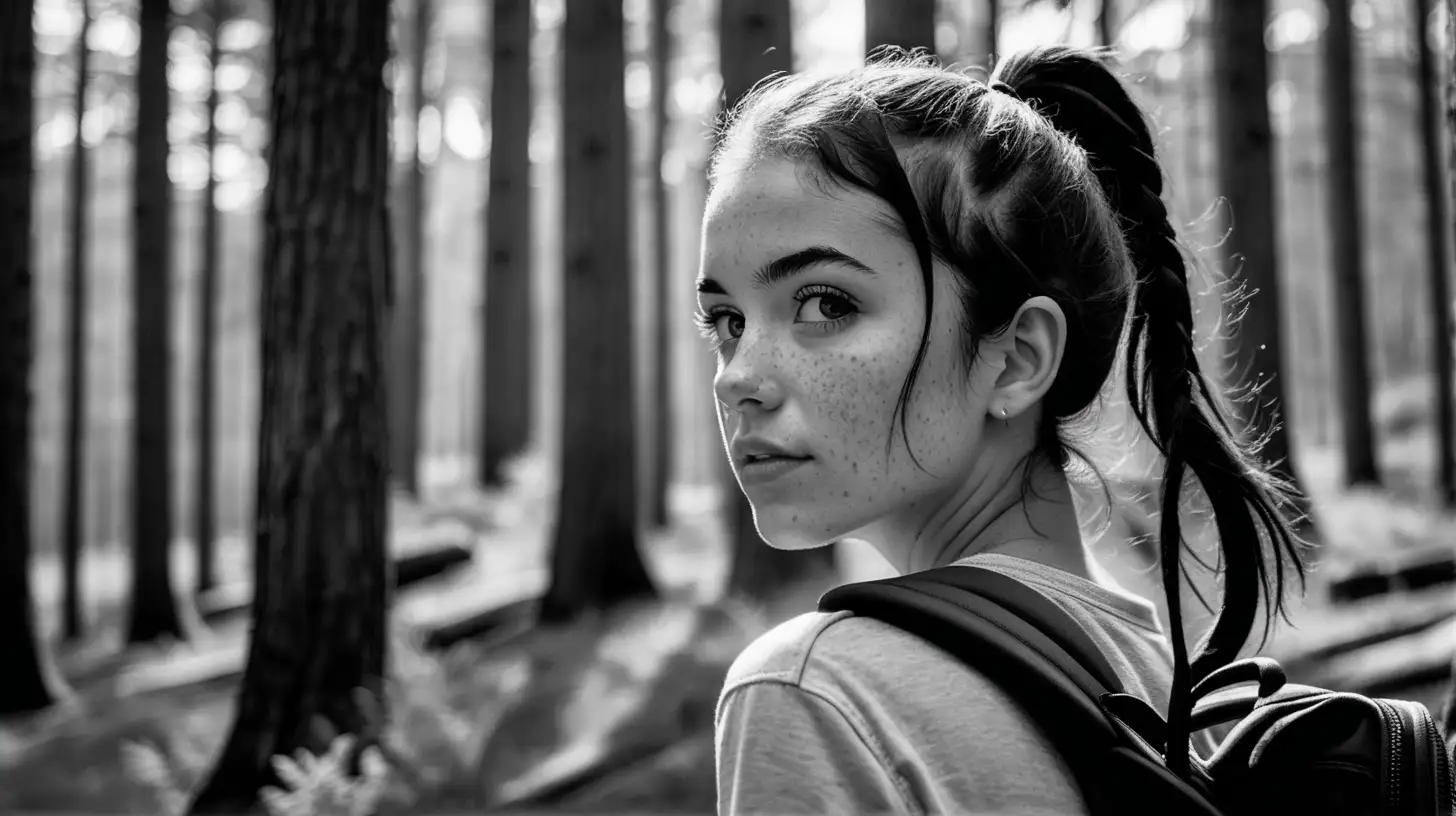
<point x="1166" y="388"/>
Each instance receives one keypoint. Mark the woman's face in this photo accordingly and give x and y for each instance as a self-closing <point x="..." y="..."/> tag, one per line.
<point x="815" y="298"/>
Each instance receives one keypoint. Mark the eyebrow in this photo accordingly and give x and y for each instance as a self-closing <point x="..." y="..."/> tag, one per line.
<point x="781" y="269"/>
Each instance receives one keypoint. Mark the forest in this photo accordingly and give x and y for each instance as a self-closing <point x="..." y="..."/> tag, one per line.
<point x="359" y="452"/>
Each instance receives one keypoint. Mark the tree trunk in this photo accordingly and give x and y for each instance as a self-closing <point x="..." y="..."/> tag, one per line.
<point x="1352" y="366"/>
<point x="905" y="23"/>
<point x="755" y="40"/>
<point x="508" y="333"/>
<point x="407" y="325"/>
<point x="1107" y="23"/>
<point x="1438" y="247"/>
<point x="595" y="562"/>
<point x="321" y="575"/>
<point x="1244" y="143"/>
<point x="662" y="447"/>
<point x="154" y="611"/>
<point x="73" y="500"/>
<point x="205" y="522"/>
<point x="29" y="681"/>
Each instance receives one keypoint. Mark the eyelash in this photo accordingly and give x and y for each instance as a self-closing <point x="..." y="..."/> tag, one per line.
<point x="707" y="321"/>
<point x="708" y="325"/>
<point x="814" y="290"/>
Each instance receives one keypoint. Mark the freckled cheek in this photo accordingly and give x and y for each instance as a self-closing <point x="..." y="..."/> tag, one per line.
<point x="942" y="417"/>
<point x="853" y="411"/>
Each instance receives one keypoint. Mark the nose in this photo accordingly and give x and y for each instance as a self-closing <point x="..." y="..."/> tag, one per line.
<point x="748" y="380"/>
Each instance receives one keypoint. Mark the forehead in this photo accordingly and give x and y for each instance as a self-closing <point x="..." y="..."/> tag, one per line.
<point x="773" y="204"/>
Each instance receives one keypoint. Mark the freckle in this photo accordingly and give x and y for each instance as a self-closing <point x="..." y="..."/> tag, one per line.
<point x="854" y="466"/>
<point x="846" y="494"/>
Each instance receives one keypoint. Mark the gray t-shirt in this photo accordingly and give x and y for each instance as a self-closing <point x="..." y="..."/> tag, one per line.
<point x="838" y="714"/>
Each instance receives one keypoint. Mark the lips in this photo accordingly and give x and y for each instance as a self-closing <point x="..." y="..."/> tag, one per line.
<point x="760" y="458"/>
<point x="761" y="461"/>
<point x="753" y="450"/>
<point x="760" y="472"/>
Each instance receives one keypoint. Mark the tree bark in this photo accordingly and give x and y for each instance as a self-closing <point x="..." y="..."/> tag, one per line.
<point x="662" y="447"/>
<point x="1438" y="251"/>
<point x="1347" y="247"/>
<point x="321" y="575"/>
<point x="756" y="41"/>
<point x="29" y="681"/>
<point x="505" y="425"/>
<point x="73" y="499"/>
<point x="154" y="611"/>
<point x="595" y="561"/>
<point x="1244" y="143"/>
<point x="204" y="533"/>
<point x="908" y="24"/>
<point x="407" y="325"/>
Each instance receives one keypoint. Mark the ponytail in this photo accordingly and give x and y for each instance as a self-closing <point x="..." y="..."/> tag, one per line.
<point x="1166" y="388"/>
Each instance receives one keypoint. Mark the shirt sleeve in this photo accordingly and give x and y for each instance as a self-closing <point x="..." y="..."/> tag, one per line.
<point x="784" y="750"/>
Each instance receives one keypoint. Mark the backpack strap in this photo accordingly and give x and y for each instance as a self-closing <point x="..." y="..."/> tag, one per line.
<point x="982" y="618"/>
<point x="947" y="604"/>
<point x="1088" y="665"/>
<point x="1026" y="644"/>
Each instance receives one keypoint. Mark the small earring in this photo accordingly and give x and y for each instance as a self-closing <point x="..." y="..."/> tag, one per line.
<point x="1003" y="412"/>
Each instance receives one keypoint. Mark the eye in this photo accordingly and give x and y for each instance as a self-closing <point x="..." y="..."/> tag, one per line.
<point x="720" y="325"/>
<point x="819" y="305"/>
<point x="728" y="324"/>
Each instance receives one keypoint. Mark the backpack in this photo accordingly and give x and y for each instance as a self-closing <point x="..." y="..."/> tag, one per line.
<point x="1291" y="748"/>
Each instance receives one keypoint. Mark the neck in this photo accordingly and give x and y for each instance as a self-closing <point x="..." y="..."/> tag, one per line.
<point x="1000" y="510"/>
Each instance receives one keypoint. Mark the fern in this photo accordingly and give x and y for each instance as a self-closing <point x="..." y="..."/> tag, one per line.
<point x="322" y="785"/>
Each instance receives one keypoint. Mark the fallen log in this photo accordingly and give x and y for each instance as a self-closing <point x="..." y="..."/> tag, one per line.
<point x="493" y="620"/>
<point x="224" y="600"/>
<point x="1399" y="680"/>
<point x="474" y="610"/>
<point x="1392" y="666"/>
<point x="218" y="664"/>
<point x="418" y="565"/>
<point x="1420" y="571"/>
<point x="1391" y="629"/>
<point x="227" y="600"/>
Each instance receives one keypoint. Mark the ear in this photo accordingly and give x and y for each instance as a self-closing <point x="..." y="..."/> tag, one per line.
<point x="1031" y="350"/>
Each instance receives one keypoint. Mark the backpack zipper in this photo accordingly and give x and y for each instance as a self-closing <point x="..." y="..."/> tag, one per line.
<point x="1446" y="785"/>
<point x="1394" y="764"/>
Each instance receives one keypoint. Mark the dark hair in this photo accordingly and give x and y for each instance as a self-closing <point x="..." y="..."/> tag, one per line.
<point x="1045" y="182"/>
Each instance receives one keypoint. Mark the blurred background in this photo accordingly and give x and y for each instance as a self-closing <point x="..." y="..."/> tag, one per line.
<point x="498" y="696"/>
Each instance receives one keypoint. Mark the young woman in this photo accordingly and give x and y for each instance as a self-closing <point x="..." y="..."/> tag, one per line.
<point x="914" y="282"/>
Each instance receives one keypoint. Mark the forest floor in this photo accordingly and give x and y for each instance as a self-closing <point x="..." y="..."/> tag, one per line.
<point x="535" y="717"/>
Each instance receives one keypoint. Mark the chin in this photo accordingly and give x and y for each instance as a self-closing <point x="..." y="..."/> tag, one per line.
<point x="785" y="528"/>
